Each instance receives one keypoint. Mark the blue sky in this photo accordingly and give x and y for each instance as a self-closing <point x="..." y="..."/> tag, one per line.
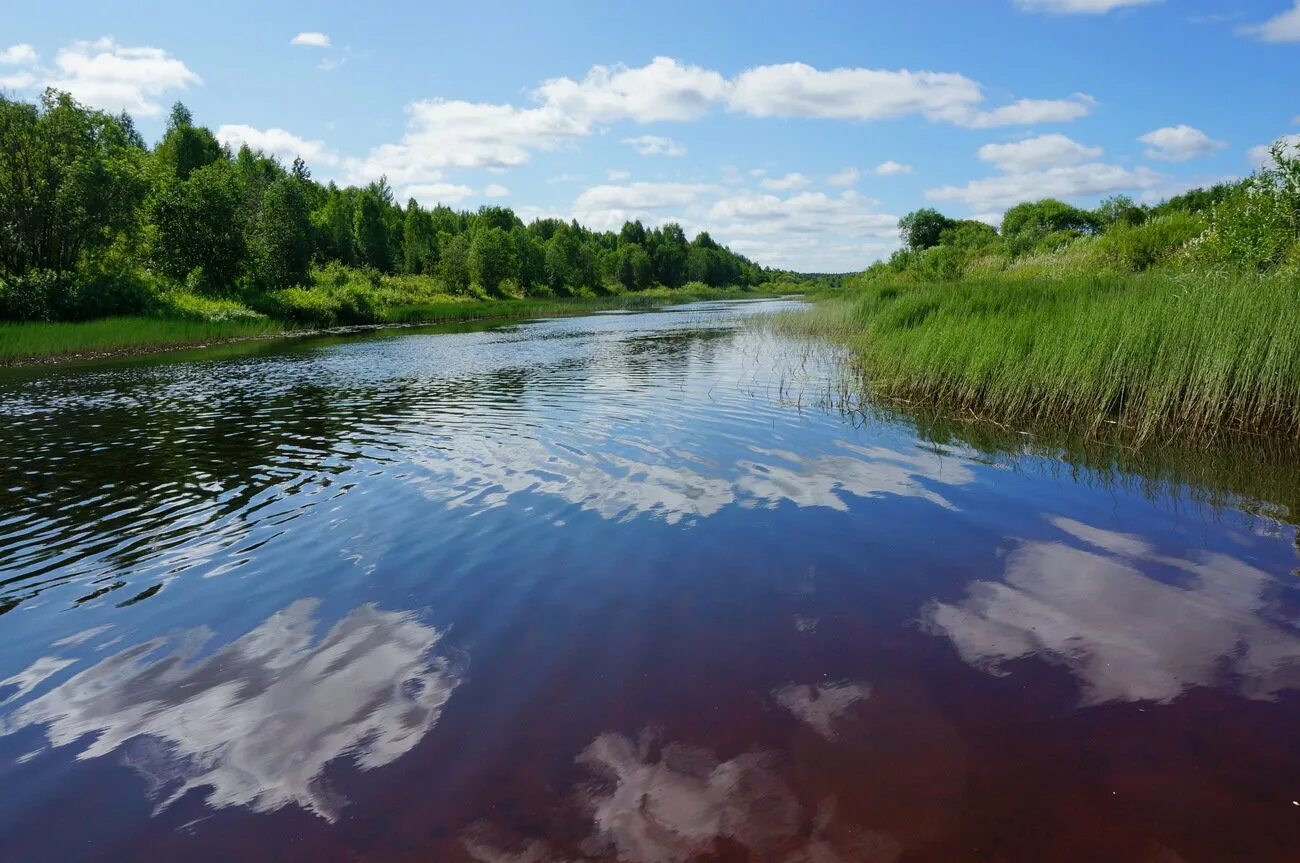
<point x="796" y="132"/>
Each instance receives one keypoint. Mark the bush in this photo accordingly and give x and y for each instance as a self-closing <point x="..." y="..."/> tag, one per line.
<point x="1133" y="248"/>
<point x="33" y="296"/>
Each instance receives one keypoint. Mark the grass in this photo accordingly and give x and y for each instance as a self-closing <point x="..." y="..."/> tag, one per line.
<point x="1157" y="355"/>
<point x="181" y="321"/>
<point x="26" y="341"/>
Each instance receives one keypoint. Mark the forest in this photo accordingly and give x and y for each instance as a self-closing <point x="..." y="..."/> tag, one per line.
<point x="94" y="223"/>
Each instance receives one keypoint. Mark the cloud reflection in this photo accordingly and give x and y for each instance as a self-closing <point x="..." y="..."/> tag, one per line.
<point x="1127" y="636"/>
<point x="821" y="707"/>
<point x="484" y="473"/>
<point x="256" y="722"/>
<point x="672" y="803"/>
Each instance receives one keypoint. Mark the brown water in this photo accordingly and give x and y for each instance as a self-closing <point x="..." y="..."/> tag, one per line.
<point x="622" y="587"/>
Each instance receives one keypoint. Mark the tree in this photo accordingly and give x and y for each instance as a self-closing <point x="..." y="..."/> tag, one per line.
<point x="968" y="235"/>
<point x="633" y="271"/>
<point x="185" y="147"/>
<point x="1120" y="210"/>
<point x="669" y="256"/>
<point x="370" y="230"/>
<point x="491" y="258"/>
<point x="71" y="180"/>
<point x="921" y="229"/>
<point x="280" y="241"/>
<point x="1032" y="221"/>
<point x="419" y="242"/>
<point x="632" y="232"/>
<point x="198" y="226"/>
<point x="559" y="262"/>
<point x="453" y="261"/>
<point x="531" y="257"/>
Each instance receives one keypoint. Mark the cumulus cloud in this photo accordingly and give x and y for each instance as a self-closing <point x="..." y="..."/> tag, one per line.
<point x="614" y="175"/>
<point x="1027" y="112"/>
<point x="1260" y="155"/>
<point x="1284" y="27"/>
<point x="1079" y="7"/>
<point x="664" y="89"/>
<point x="1093" y="178"/>
<point x="655" y="145"/>
<point x="21" y="54"/>
<point x="891" y="168"/>
<point x="495" y="190"/>
<point x="1033" y="154"/>
<point x="282" y="144"/>
<point x="432" y="194"/>
<point x="800" y="90"/>
<point x="119" y="78"/>
<point x="17" y="81"/>
<point x="451" y="133"/>
<point x="786" y="183"/>
<point x="1180" y="143"/>
<point x="311" y="39"/>
<point x="847" y="177"/>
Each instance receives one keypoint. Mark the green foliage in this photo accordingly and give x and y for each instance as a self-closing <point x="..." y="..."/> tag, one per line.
<point x="1133" y="248"/>
<point x="492" y="258"/>
<point x="198" y="225"/>
<point x="922" y="229"/>
<point x="93" y="223"/>
<point x="280" y="241"/>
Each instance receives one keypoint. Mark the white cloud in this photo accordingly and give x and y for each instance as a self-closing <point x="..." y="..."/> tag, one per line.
<point x="430" y="194"/>
<point x="891" y="168"/>
<point x="799" y="90"/>
<point x="311" y="39"/>
<point x="614" y="175"/>
<point x="786" y="183"/>
<point x="282" y="144"/>
<point x="655" y="145"/>
<point x="1179" y="143"/>
<point x="21" y="54"/>
<point x="640" y="196"/>
<point x="1027" y="112"/>
<point x="494" y="190"/>
<point x="1260" y="155"/>
<point x="17" y="81"/>
<point x="1285" y="27"/>
<point x="119" y="78"/>
<point x="1088" y="179"/>
<point x="662" y="90"/>
<point x="847" y="177"/>
<point x="1039" y="153"/>
<point x="444" y="133"/>
<point x="1079" y="7"/>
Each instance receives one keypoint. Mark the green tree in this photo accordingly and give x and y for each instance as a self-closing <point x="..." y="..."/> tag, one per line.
<point x="634" y="270"/>
<point x="280" y="241"/>
<point x="1030" y="222"/>
<point x="453" y="261"/>
<point x="560" y="261"/>
<point x="186" y="147"/>
<point x="492" y="258"/>
<point x="370" y="229"/>
<point x="419" y="242"/>
<point x="70" y="182"/>
<point x="198" y="226"/>
<point x="669" y="256"/>
<point x="921" y="229"/>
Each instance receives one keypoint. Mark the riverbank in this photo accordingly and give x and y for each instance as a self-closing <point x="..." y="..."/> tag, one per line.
<point x="33" y="343"/>
<point x="1189" y="356"/>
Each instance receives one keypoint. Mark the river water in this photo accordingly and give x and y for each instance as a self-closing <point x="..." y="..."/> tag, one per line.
<point x="618" y="587"/>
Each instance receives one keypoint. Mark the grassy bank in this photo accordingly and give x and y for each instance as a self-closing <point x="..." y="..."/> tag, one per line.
<point x="188" y="321"/>
<point x="1159" y="355"/>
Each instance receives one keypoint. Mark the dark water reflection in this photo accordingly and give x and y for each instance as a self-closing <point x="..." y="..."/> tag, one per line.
<point x="622" y="587"/>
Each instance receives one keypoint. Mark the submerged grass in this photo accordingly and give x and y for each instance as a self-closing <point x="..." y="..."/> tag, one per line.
<point x="26" y="341"/>
<point x="1159" y="355"/>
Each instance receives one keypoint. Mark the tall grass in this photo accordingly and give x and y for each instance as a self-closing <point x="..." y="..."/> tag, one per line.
<point x="23" y="341"/>
<point x="1158" y="355"/>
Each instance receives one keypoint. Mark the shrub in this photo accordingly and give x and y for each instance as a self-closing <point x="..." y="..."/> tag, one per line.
<point x="1133" y="248"/>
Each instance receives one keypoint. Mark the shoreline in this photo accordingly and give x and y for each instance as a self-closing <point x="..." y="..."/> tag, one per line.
<point x="493" y="311"/>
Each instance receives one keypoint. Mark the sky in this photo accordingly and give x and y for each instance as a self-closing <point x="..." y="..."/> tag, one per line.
<point x="797" y="133"/>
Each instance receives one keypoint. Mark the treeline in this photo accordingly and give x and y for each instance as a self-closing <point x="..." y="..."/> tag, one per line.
<point x="1252" y="225"/>
<point x="93" y="223"/>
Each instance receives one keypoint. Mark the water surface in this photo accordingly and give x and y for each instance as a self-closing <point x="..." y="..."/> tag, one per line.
<point x="620" y="587"/>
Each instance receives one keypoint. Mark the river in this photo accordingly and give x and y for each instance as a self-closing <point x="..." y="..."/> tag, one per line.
<point x="629" y="586"/>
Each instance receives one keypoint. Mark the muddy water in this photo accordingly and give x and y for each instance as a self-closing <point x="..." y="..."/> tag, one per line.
<point x="621" y="587"/>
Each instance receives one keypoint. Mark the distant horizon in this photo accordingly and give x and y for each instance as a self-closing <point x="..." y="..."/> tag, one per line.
<point x="797" y="143"/>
